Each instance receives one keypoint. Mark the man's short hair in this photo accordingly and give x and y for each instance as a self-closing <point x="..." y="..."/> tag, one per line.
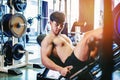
<point x="58" y="17"/>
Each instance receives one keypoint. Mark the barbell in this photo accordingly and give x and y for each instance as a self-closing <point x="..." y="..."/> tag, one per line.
<point x="15" y="52"/>
<point x="14" y="25"/>
<point x="18" y="51"/>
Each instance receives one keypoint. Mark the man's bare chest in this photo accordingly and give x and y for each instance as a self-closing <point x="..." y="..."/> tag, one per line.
<point x="59" y="41"/>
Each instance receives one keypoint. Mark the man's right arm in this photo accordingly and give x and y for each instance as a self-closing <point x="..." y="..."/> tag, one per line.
<point x="46" y="50"/>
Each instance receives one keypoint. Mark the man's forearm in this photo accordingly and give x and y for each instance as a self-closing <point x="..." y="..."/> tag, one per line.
<point x="50" y="64"/>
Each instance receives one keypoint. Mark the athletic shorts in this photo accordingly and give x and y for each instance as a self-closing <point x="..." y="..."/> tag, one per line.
<point x="76" y="63"/>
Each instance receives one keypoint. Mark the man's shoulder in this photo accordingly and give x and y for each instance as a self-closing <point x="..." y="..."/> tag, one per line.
<point x="63" y="35"/>
<point x="47" y="39"/>
<point x="48" y="36"/>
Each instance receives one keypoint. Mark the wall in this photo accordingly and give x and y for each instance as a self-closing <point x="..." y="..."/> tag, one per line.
<point x="86" y="14"/>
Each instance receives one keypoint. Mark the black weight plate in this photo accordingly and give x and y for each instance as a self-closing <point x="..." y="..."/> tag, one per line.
<point x="5" y="22"/>
<point x="7" y="51"/>
<point x="20" y="5"/>
<point x="16" y="54"/>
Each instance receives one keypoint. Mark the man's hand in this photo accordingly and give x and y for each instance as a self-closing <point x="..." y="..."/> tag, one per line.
<point x="66" y="70"/>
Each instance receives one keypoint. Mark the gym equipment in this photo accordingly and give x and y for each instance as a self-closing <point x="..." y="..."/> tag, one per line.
<point x="28" y="30"/>
<point x="19" y="5"/>
<point x="15" y="52"/>
<point x="38" y="17"/>
<point x="48" y="75"/>
<point x="40" y="38"/>
<point x="116" y="59"/>
<point x="7" y="52"/>
<point x="18" y="51"/>
<point x="14" y="25"/>
<point x="5" y="22"/>
<point x="7" y="63"/>
<point x="10" y="58"/>
<point x="30" y="21"/>
<point x="116" y="15"/>
<point x="14" y="71"/>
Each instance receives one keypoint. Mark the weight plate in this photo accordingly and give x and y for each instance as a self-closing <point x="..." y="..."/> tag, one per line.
<point x="7" y="51"/>
<point x="14" y="25"/>
<point x="5" y="22"/>
<point x="20" y="5"/>
<point x="15" y="51"/>
<point x="18" y="25"/>
<point x="116" y="17"/>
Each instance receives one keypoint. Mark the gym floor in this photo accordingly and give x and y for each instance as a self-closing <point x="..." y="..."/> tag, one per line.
<point x="30" y="73"/>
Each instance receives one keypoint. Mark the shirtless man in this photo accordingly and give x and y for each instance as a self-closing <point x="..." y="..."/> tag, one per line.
<point x="60" y="46"/>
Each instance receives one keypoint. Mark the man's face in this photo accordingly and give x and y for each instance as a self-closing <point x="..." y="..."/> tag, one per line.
<point x="56" y="27"/>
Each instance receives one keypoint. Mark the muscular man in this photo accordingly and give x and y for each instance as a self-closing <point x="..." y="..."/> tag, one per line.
<point x="60" y="46"/>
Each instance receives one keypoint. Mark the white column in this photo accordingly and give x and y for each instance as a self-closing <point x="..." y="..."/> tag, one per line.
<point x="98" y="8"/>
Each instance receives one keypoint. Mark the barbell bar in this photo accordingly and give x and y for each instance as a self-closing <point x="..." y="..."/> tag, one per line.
<point x="15" y="52"/>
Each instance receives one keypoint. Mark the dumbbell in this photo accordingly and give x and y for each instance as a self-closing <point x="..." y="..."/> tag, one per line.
<point x="18" y="51"/>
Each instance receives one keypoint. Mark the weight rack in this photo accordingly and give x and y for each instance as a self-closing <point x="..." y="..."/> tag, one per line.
<point x="12" y="68"/>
